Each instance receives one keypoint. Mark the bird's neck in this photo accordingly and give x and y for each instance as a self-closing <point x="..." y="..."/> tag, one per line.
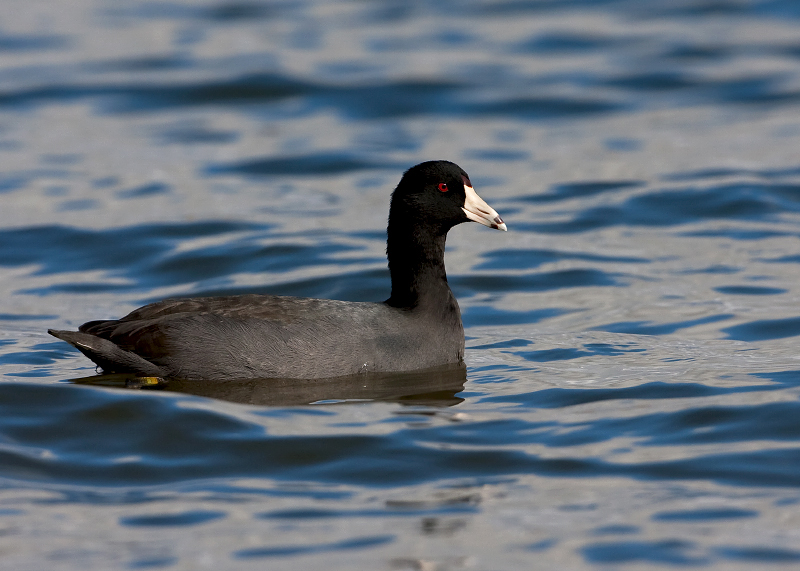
<point x="416" y="265"/>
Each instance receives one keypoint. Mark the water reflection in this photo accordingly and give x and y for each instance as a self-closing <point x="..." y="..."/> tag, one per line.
<point x="429" y="387"/>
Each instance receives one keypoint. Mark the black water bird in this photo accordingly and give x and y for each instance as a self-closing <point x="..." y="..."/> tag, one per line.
<point x="267" y="336"/>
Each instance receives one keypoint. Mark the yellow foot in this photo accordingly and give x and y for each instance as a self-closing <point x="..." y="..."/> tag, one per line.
<point x="144" y="382"/>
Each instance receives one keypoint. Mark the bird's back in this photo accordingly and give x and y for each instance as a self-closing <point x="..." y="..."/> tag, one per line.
<point x="255" y="336"/>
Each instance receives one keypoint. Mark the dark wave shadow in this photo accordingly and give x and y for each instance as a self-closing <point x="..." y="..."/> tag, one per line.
<point x="519" y="258"/>
<point x="565" y="42"/>
<point x="582" y="189"/>
<point x="143" y="257"/>
<point x="650" y="328"/>
<point x="315" y="164"/>
<point x="376" y="100"/>
<point x="429" y="387"/>
<point x="32" y="42"/>
<point x="740" y="201"/>
<point x="360" y="285"/>
<point x="724" y="172"/>
<point x="764" y="329"/>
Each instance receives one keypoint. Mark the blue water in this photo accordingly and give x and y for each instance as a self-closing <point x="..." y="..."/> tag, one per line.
<point x="630" y="395"/>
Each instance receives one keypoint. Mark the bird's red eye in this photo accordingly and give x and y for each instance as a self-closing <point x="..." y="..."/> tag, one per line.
<point x="443" y="186"/>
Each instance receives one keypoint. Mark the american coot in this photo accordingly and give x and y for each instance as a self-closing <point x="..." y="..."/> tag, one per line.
<point x="266" y="336"/>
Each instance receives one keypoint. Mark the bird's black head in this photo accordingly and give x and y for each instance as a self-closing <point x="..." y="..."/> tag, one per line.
<point x="437" y="195"/>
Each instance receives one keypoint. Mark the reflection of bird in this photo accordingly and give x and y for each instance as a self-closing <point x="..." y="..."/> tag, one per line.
<point x="265" y="336"/>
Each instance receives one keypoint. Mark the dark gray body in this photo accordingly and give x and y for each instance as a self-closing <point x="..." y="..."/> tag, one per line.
<point x="254" y="336"/>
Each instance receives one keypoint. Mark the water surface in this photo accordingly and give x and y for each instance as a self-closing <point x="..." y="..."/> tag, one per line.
<point x="630" y="397"/>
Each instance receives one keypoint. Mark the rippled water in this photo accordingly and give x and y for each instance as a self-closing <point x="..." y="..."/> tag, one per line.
<point x="631" y="392"/>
